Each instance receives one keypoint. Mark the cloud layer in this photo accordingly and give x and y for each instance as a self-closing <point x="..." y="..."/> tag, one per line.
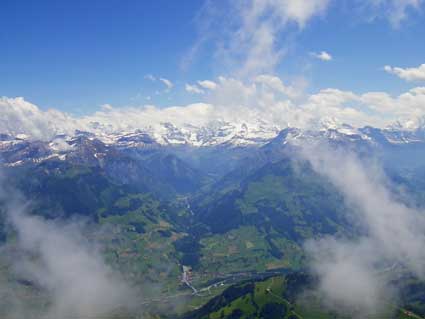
<point x="266" y="98"/>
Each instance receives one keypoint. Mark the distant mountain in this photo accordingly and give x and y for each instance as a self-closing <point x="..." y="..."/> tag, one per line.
<point x="133" y="160"/>
<point x="19" y="149"/>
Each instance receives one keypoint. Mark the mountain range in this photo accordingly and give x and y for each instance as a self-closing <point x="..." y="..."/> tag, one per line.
<point x="19" y="148"/>
<point x="225" y="200"/>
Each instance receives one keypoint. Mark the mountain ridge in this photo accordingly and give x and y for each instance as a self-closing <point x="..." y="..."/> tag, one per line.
<point x="20" y="148"/>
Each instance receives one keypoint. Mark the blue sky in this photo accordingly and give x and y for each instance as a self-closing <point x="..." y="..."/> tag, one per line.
<point x="77" y="55"/>
<point x="69" y="54"/>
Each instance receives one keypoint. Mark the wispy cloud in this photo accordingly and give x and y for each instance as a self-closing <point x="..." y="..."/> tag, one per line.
<point x="355" y="273"/>
<point x="57" y="258"/>
<point x="207" y="84"/>
<point x="261" y="22"/>
<point x="245" y="33"/>
<point x="194" y="89"/>
<point x="395" y="11"/>
<point x="167" y="83"/>
<point x="150" y="77"/>
<point x="201" y="87"/>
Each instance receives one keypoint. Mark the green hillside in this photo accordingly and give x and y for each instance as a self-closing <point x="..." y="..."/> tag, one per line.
<point x="282" y="297"/>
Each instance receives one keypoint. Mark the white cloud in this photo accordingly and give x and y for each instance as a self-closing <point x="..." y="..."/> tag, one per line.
<point x="106" y="107"/>
<point x="148" y="117"/>
<point x="407" y="106"/>
<point x="339" y="106"/>
<point x="58" y="259"/>
<point x="266" y="97"/>
<point x="253" y="36"/>
<point x="21" y="117"/>
<point x="299" y="11"/>
<point x="248" y="34"/>
<point x="372" y="108"/>
<point x="207" y="84"/>
<point x="350" y="271"/>
<point x="399" y="10"/>
<point x="262" y="21"/>
<point x="276" y="84"/>
<point x="167" y="83"/>
<point x="194" y="89"/>
<point x="324" y="56"/>
<point x="408" y="74"/>
<point x="77" y="277"/>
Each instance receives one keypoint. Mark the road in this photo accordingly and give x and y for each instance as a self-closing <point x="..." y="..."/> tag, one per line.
<point x="186" y="279"/>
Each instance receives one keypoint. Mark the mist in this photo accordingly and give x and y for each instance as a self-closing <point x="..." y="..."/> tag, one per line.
<point x="55" y="257"/>
<point x="355" y="274"/>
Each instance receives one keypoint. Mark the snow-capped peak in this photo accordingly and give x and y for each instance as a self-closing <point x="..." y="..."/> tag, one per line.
<point x="408" y="125"/>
